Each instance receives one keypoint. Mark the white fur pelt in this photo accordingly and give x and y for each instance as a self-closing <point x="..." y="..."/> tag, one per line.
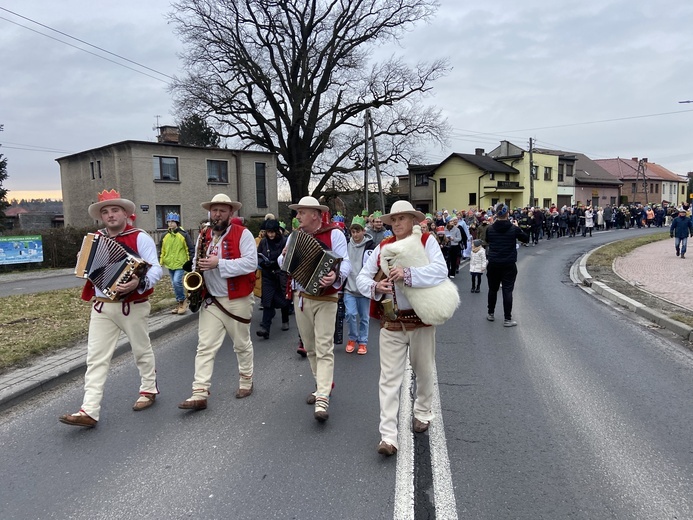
<point x="434" y="305"/>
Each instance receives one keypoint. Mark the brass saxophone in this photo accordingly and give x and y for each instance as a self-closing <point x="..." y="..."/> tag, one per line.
<point x="194" y="282"/>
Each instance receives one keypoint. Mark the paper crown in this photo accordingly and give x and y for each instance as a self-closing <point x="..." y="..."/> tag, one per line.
<point x="338" y="217"/>
<point x="377" y="214"/>
<point x="173" y="216"/>
<point x="358" y="221"/>
<point x="107" y="195"/>
<point x="282" y="224"/>
<point x="364" y="213"/>
<point x="295" y="224"/>
<point x="429" y="216"/>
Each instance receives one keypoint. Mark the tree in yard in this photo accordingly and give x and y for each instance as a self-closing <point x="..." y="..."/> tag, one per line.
<point x="194" y="131"/>
<point x="3" y="192"/>
<point x="295" y="77"/>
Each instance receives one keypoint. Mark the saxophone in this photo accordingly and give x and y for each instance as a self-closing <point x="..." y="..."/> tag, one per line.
<point x="194" y="282"/>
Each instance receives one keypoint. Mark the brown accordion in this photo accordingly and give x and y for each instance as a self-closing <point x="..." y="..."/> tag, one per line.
<point x="307" y="260"/>
<point x="106" y="263"/>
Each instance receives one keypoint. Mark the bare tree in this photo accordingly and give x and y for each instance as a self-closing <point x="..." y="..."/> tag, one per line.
<point x="294" y="77"/>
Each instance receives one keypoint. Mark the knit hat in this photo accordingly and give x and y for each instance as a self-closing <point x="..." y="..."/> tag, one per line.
<point x="476" y="243"/>
<point x="272" y="225"/>
<point x="501" y="209"/>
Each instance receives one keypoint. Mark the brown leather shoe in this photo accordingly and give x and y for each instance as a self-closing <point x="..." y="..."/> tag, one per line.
<point x="244" y="392"/>
<point x="78" y="419"/>
<point x="310" y="399"/>
<point x="144" y="401"/>
<point x="193" y="404"/>
<point x="386" y="449"/>
<point x="321" y="414"/>
<point x="419" y="426"/>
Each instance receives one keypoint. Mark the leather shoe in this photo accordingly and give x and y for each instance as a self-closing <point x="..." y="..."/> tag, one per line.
<point x="419" y="426"/>
<point x="321" y="414"/>
<point x="263" y="333"/>
<point x="193" y="404"/>
<point x="244" y="392"/>
<point x="144" y="401"/>
<point x="78" y="419"/>
<point x="386" y="449"/>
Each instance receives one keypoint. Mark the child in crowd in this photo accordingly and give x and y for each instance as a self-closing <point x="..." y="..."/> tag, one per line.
<point x="357" y="306"/>
<point x="477" y="265"/>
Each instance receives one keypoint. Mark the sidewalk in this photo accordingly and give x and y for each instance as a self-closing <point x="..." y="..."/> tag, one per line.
<point x="653" y="268"/>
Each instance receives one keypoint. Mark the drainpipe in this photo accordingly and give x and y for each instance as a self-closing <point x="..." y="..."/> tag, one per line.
<point x="238" y="178"/>
<point x="435" y="193"/>
<point x="478" y="188"/>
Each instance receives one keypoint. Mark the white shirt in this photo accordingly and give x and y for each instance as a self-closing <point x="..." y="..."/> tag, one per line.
<point x="215" y="279"/>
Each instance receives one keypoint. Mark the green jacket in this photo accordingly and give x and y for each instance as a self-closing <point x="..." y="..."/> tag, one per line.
<point x="176" y="248"/>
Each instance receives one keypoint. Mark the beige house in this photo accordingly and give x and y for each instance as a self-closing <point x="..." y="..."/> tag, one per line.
<point x="160" y="177"/>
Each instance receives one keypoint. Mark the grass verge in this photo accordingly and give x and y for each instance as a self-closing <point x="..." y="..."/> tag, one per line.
<point x="605" y="256"/>
<point x="36" y="324"/>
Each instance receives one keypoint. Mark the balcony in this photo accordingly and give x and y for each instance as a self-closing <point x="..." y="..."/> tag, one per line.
<point x="505" y="186"/>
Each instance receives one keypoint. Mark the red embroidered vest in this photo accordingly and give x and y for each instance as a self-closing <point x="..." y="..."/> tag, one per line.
<point x="238" y="286"/>
<point x="127" y="238"/>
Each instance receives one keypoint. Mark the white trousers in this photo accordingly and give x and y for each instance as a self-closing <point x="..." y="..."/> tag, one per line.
<point x="420" y="344"/>
<point x="105" y="326"/>
<point x="212" y="327"/>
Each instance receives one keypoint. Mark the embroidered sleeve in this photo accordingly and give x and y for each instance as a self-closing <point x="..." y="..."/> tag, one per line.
<point x="407" y="277"/>
<point x="373" y="297"/>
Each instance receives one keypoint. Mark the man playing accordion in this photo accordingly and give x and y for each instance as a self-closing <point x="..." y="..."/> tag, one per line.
<point x="128" y="313"/>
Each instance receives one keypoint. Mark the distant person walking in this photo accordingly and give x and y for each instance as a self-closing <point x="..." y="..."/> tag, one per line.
<point x="681" y="228"/>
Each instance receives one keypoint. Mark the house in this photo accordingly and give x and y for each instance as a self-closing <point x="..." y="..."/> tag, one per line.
<point x="28" y="220"/>
<point x="415" y="187"/>
<point x="591" y="184"/>
<point x="164" y="176"/>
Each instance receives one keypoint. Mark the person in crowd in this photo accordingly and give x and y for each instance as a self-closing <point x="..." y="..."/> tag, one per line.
<point x="128" y="313"/>
<point x="316" y="315"/>
<point x="589" y="221"/>
<point x="537" y="220"/>
<point x="359" y="249"/>
<point x="274" y="280"/>
<point x="477" y="265"/>
<point x="563" y="222"/>
<point x="481" y="230"/>
<point x="377" y="230"/>
<point x="454" y="237"/>
<point x="681" y="228"/>
<point x="227" y="260"/>
<point x="502" y="236"/>
<point x="405" y="335"/>
<point x="176" y="249"/>
<point x="525" y="222"/>
<point x="572" y="222"/>
<point x="607" y="214"/>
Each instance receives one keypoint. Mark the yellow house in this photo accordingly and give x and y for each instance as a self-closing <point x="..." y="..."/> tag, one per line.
<point x="473" y="181"/>
<point x="539" y="190"/>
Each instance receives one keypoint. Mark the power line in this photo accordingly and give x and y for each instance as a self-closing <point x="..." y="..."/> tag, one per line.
<point x="85" y="43"/>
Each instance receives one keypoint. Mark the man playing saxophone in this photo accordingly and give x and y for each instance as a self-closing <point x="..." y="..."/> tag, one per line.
<point x="228" y="267"/>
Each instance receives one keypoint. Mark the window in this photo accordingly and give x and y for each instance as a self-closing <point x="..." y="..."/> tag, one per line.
<point x="535" y="170"/>
<point x="656" y="188"/>
<point x="561" y="171"/>
<point x="547" y="203"/>
<point x="683" y="189"/>
<point x="165" y="168"/>
<point x="91" y="167"/>
<point x="613" y="201"/>
<point x="260" y="185"/>
<point x="443" y="183"/>
<point x="421" y="179"/>
<point x="98" y="168"/>
<point x="218" y="171"/>
<point x="161" y="212"/>
<point x="633" y="187"/>
<point x="651" y="188"/>
<point x="492" y="176"/>
<point x="472" y="199"/>
<point x="569" y="170"/>
<point x="547" y="173"/>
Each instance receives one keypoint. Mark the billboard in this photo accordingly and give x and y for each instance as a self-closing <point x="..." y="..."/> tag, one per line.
<point x="21" y="249"/>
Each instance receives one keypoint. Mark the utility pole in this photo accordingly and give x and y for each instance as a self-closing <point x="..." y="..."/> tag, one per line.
<point x="376" y="162"/>
<point x="642" y="165"/>
<point x="531" y="173"/>
<point x="365" y="165"/>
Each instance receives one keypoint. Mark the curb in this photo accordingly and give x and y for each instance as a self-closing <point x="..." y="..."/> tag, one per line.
<point x="52" y="370"/>
<point x="580" y="273"/>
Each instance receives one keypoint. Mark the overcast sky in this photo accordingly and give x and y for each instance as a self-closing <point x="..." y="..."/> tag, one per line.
<point x="574" y="75"/>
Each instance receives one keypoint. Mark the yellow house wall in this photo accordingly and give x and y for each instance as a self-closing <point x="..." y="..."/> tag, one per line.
<point x="462" y="179"/>
<point x="542" y="189"/>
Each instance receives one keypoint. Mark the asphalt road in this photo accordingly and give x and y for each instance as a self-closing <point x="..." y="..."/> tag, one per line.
<point x="43" y="281"/>
<point x="580" y="412"/>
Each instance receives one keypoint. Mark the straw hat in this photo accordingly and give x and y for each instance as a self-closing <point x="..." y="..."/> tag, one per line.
<point x="402" y="207"/>
<point x="110" y="198"/>
<point x="222" y="198"/>
<point x="309" y="203"/>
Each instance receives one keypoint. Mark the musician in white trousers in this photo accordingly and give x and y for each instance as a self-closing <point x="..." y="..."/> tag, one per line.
<point x="315" y="315"/>
<point x="406" y="334"/>
<point x="128" y="313"/>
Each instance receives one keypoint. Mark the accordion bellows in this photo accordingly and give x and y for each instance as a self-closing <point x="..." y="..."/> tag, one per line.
<point x="307" y="260"/>
<point x="106" y="263"/>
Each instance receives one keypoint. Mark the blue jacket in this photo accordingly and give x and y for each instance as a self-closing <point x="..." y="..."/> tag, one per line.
<point x="681" y="227"/>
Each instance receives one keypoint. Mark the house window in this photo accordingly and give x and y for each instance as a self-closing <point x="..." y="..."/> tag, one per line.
<point x="547" y="203"/>
<point x="218" y="171"/>
<point x="161" y="212"/>
<point x="569" y="170"/>
<point x="260" y="185"/>
<point x="165" y="168"/>
<point x="547" y="173"/>
<point x="656" y="188"/>
<point x="443" y="183"/>
<point x="683" y="190"/>
<point x="91" y="167"/>
<point x="98" y="168"/>
<point x="651" y="188"/>
<point x="633" y="187"/>
<point x="613" y="201"/>
<point x="421" y="179"/>
<point x="561" y="171"/>
<point x="472" y="199"/>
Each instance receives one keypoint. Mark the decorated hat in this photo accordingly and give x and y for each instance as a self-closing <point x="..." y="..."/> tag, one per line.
<point x="282" y="224"/>
<point x="377" y="214"/>
<point x="429" y="217"/>
<point x="295" y="224"/>
<point x="402" y="207"/>
<point x="173" y="216"/>
<point x="338" y="217"/>
<point x="110" y="198"/>
<point x="222" y="198"/>
<point x="309" y="203"/>
<point x="364" y="213"/>
<point x="440" y="230"/>
<point x="358" y="221"/>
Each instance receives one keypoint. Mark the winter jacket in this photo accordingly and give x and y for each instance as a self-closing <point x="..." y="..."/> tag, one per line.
<point x="478" y="262"/>
<point x="274" y="280"/>
<point x="681" y="227"/>
<point x="501" y="237"/>
<point x="358" y="255"/>
<point x="176" y="248"/>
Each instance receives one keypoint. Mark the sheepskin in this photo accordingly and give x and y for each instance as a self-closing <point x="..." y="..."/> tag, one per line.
<point x="434" y="305"/>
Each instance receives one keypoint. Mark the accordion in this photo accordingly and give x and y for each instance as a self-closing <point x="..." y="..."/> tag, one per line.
<point x="106" y="263"/>
<point x="307" y="260"/>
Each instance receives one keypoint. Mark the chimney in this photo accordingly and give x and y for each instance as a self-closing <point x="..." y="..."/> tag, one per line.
<point x="634" y="159"/>
<point x="168" y="134"/>
<point x="479" y="151"/>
